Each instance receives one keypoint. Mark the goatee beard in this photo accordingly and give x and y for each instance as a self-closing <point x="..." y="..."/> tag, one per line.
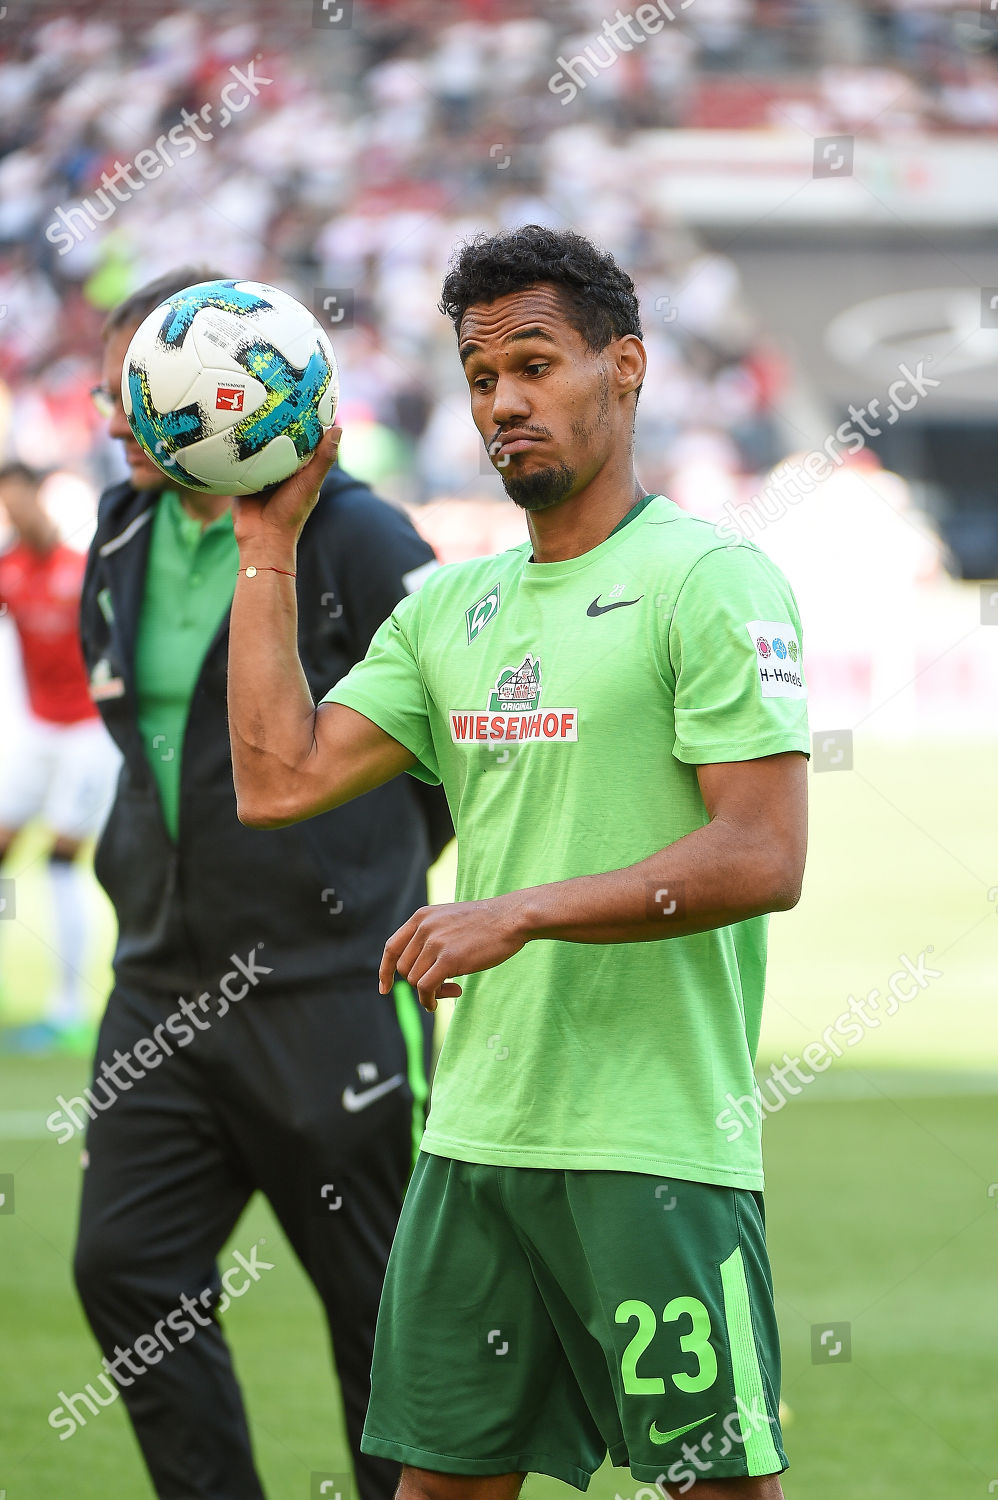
<point x="541" y="489"/>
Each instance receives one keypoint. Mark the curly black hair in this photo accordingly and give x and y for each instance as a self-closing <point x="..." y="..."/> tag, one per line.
<point x="598" y="296"/>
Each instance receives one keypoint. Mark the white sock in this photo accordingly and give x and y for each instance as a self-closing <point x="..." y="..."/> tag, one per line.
<point x="69" y="898"/>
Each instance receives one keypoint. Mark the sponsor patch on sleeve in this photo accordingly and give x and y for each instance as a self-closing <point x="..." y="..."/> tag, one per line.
<point x="777" y="658"/>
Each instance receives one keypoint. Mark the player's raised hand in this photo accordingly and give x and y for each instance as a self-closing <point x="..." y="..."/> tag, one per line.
<point x="278" y="518"/>
<point x="462" y="937"/>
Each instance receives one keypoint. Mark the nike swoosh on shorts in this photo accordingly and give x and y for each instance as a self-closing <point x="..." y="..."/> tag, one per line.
<point x="667" y="1437"/>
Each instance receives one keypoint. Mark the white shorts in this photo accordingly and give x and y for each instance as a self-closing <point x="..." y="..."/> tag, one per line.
<point x="64" y="774"/>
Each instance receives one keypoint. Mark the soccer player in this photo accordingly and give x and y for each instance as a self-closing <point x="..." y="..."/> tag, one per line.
<point x="246" y="1045"/>
<point x="616" y="710"/>
<point x="56" y="761"/>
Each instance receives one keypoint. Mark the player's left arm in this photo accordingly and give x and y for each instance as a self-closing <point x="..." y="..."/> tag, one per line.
<point x="747" y="860"/>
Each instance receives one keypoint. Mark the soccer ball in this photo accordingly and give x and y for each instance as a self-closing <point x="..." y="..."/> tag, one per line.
<point x="228" y="386"/>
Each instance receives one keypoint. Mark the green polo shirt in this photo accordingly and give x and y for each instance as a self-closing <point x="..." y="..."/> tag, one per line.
<point x="190" y="579"/>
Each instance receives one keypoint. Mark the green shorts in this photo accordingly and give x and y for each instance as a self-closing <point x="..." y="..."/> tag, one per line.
<point x="533" y="1320"/>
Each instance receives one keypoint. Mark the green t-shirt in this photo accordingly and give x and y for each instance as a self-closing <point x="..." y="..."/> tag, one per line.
<point x="190" y="578"/>
<point x="565" y="707"/>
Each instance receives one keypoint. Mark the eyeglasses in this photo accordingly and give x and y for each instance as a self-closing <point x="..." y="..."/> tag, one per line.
<point x="105" y="400"/>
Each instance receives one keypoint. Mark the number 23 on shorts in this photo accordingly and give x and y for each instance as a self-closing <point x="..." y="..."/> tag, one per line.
<point x="695" y="1342"/>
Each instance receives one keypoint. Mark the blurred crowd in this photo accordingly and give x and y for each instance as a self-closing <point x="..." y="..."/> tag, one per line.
<point x="343" y="155"/>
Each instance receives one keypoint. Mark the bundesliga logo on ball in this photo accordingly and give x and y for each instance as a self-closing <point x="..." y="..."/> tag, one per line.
<point x="229" y="385"/>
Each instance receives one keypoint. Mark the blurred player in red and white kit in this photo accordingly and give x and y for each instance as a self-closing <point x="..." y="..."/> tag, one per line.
<point x="57" y="762"/>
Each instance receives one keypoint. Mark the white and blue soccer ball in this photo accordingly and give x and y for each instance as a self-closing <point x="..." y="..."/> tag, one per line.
<point x="229" y="385"/>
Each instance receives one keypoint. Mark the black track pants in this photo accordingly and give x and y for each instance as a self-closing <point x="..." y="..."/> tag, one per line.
<point x="309" y="1099"/>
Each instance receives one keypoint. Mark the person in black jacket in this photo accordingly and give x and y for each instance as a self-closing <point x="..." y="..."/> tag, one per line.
<point x="245" y="1044"/>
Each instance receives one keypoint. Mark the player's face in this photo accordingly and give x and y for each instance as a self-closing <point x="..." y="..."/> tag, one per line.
<point x="144" y="473"/>
<point x="548" y="407"/>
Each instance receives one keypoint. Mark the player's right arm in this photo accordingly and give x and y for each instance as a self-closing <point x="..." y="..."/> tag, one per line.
<point x="290" y="760"/>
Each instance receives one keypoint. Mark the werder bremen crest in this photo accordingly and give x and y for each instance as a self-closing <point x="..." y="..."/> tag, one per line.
<point x="479" y="615"/>
<point x="517" y="687"/>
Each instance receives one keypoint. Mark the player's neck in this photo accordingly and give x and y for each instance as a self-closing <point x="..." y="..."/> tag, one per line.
<point x="583" y="521"/>
<point x="205" y="508"/>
